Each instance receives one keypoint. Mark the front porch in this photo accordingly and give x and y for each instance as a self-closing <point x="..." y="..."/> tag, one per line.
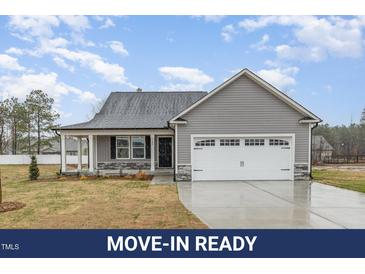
<point x="116" y="152"/>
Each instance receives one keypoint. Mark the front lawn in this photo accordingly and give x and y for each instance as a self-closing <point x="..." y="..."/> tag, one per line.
<point x="349" y="179"/>
<point x="100" y="203"/>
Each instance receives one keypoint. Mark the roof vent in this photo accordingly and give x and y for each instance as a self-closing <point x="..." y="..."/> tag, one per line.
<point x="138" y="90"/>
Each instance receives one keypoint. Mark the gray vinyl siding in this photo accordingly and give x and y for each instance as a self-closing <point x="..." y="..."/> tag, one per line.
<point x="103" y="151"/>
<point x="243" y="107"/>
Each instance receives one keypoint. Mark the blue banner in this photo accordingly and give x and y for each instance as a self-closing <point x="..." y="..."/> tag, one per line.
<point x="174" y="243"/>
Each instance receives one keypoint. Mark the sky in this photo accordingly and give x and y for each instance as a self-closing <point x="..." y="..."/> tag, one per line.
<point x="78" y="60"/>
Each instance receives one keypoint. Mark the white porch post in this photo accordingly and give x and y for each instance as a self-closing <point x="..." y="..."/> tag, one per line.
<point x="91" y="153"/>
<point x="152" y="137"/>
<point x="63" y="153"/>
<point x="79" y="154"/>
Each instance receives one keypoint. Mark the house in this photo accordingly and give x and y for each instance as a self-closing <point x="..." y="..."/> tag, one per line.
<point x="244" y="129"/>
<point x="52" y="147"/>
<point x="321" y="149"/>
<point x="71" y="145"/>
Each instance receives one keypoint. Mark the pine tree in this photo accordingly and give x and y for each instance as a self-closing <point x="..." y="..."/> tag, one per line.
<point x="41" y="113"/>
<point x="362" y="119"/>
<point x="33" y="169"/>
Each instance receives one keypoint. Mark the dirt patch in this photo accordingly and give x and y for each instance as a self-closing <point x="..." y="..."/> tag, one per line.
<point x="10" y="206"/>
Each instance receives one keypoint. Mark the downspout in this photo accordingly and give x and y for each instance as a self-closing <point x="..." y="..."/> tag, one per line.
<point x="169" y="126"/>
<point x="316" y="125"/>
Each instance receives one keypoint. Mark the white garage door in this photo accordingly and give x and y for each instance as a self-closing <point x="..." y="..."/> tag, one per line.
<point x="242" y="158"/>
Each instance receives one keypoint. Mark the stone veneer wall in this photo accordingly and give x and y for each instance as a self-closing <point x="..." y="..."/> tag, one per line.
<point x="124" y="165"/>
<point x="301" y="172"/>
<point x="183" y="173"/>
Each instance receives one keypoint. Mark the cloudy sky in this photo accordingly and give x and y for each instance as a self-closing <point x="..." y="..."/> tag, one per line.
<point x="78" y="60"/>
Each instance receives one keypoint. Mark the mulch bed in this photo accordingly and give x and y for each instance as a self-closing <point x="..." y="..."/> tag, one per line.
<point x="9" y="206"/>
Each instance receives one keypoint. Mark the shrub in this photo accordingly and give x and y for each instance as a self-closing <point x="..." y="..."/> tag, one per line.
<point x="141" y="175"/>
<point x="33" y="169"/>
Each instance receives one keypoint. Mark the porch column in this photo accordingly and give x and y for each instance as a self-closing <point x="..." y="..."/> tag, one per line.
<point x="91" y="153"/>
<point x="63" y="153"/>
<point x="79" y="154"/>
<point x="152" y="138"/>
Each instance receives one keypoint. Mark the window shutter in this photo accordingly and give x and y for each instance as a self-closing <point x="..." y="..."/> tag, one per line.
<point x="112" y="147"/>
<point x="148" y="146"/>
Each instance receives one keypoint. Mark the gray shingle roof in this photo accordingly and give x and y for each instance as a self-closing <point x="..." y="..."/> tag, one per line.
<point x="131" y="110"/>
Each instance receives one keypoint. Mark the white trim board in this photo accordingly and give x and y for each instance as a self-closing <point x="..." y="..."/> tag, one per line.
<point x="286" y="99"/>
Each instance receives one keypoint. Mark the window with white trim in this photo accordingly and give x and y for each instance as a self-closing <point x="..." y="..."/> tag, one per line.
<point x="254" y="142"/>
<point x="205" y="143"/>
<point x="122" y="147"/>
<point x="229" y="142"/>
<point x="278" y="142"/>
<point x="138" y="147"/>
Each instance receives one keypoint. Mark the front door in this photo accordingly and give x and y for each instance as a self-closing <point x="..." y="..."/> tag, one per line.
<point x="165" y="152"/>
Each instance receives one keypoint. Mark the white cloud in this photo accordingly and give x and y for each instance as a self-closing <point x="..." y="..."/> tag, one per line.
<point x="77" y="23"/>
<point x="211" y="18"/>
<point x="61" y="63"/>
<point x="33" y="26"/>
<point x="88" y="97"/>
<point x="10" y="63"/>
<point x="314" y="54"/>
<point x="54" y="43"/>
<point x="118" y="47"/>
<point x="182" y="78"/>
<point x="108" y="23"/>
<point x="262" y="44"/>
<point x="315" y="37"/>
<point x="15" y="51"/>
<point x="40" y="28"/>
<point x="20" y="86"/>
<point x="227" y="32"/>
<point x="281" y="78"/>
<point x="18" y="51"/>
<point x="328" y="88"/>
<point x="112" y="73"/>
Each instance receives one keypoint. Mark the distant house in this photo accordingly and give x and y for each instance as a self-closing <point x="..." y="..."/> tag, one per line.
<point x="71" y="144"/>
<point x="53" y="147"/>
<point x="321" y="149"/>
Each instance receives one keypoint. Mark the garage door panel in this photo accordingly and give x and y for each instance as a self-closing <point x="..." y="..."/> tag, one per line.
<point x="266" y="158"/>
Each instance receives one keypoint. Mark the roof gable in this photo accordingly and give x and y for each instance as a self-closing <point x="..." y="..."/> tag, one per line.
<point x="268" y="87"/>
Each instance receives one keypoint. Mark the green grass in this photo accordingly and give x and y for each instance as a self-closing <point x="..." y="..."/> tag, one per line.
<point x="353" y="180"/>
<point x="99" y="203"/>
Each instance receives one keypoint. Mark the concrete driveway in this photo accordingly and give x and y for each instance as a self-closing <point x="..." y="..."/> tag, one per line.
<point x="273" y="204"/>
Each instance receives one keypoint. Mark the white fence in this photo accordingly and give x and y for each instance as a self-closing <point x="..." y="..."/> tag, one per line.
<point x="41" y="159"/>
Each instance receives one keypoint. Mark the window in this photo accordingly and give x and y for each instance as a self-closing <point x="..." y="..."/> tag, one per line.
<point x="122" y="147"/>
<point x="229" y="142"/>
<point x="278" y="142"/>
<point x="205" y="143"/>
<point x="138" y="147"/>
<point x="254" y="142"/>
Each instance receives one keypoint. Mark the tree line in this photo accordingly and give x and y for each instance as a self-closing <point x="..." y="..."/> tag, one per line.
<point x="27" y="126"/>
<point x="346" y="140"/>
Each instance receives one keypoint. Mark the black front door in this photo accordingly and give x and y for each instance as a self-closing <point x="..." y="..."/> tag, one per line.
<point x="164" y="152"/>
